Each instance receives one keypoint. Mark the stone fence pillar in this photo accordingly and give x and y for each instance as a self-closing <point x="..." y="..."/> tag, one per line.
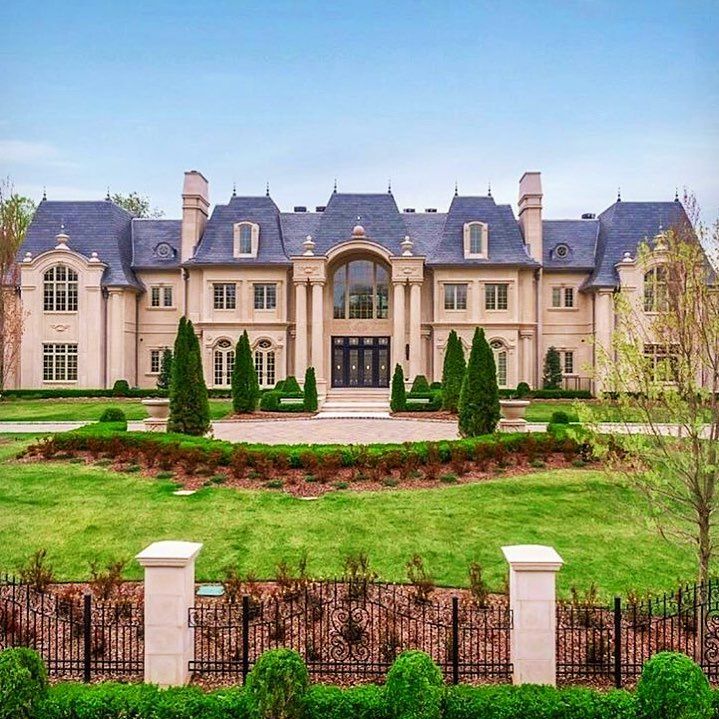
<point x="532" y="599"/>
<point x="169" y="594"/>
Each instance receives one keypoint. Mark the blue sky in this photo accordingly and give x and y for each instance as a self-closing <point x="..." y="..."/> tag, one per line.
<point x="593" y="94"/>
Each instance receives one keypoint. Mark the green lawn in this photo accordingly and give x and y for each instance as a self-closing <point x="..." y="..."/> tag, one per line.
<point x="59" y="410"/>
<point x="81" y="513"/>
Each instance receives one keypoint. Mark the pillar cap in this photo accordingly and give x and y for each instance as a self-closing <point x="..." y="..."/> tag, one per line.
<point x="168" y="554"/>
<point x="533" y="558"/>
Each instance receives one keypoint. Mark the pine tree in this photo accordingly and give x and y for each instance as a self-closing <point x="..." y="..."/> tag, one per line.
<point x="310" y="390"/>
<point x="398" y="400"/>
<point x="552" y="376"/>
<point x="163" y="379"/>
<point x="245" y="386"/>
<point x="189" y="406"/>
<point x="479" y="396"/>
<point x="453" y="372"/>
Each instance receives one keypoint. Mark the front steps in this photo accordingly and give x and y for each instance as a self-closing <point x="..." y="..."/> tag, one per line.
<point x="355" y="403"/>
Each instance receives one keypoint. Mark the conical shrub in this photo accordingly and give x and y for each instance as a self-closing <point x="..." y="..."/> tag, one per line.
<point x="245" y="385"/>
<point x="453" y="371"/>
<point x="479" y="396"/>
<point x="398" y="397"/>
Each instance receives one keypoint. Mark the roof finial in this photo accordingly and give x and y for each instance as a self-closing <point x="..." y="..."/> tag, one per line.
<point x="389" y="186"/>
<point x="619" y="194"/>
<point x="334" y="189"/>
<point x="107" y="196"/>
<point x="234" y="190"/>
<point x="267" y="189"/>
<point x="456" y="190"/>
<point x="676" y="194"/>
<point x="489" y="188"/>
<point x="44" y="192"/>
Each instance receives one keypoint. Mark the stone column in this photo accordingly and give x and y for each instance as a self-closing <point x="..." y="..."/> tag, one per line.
<point x="415" y="341"/>
<point x="603" y="328"/>
<point x="532" y="599"/>
<point x="398" y="330"/>
<point x="169" y="594"/>
<point x="526" y="374"/>
<point x="318" y="316"/>
<point x="300" y="329"/>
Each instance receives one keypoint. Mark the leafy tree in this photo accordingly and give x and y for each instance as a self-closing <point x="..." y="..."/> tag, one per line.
<point x="137" y="205"/>
<point x="189" y="406"/>
<point x="163" y="379"/>
<point x="453" y="371"/>
<point x="479" y="396"/>
<point x="552" y="377"/>
<point x="310" y="390"/>
<point x="398" y="400"/>
<point x="245" y="386"/>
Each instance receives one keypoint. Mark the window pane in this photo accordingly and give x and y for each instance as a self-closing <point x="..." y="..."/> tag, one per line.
<point x="218" y="297"/>
<point x="569" y="363"/>
<point x="569" y="297"/>
<point x="259" y="297"/>
<point x="259" y="366"/>
<point x="218" y="368"/>
<point x="382" y="293"/>
<point x="270" y="369"/>
<point x="230" y="366"/>
<point x="475" y="239"/>
<point x="155" y="298"/>
<point x="501" y="361"/>
<point x="168" y="297"/>
<point x="245" y="239"/>
<point x="361" y="280"/>
<point x="449" y="297"/>
<point x="490" y="297"/>
<point x="461" y="297"/>
<point x="339" y="292"/>
<point x="230" y="296"/>
<point x="556" y="297"/>
<point x="270" y="297"/>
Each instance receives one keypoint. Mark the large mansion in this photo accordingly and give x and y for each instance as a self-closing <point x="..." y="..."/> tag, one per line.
<point x="351" y="288"/>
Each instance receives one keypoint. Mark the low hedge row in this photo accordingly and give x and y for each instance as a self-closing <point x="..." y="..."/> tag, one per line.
<point x="548" y="394"/>
<point x="132" y="393"/>
<point x="415" y="401"/>
<point x="272" y="401"/>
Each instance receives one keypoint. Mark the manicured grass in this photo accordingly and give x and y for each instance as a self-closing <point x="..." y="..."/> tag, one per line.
<point x="80" y="513"/>
<point x="67" y="410"/>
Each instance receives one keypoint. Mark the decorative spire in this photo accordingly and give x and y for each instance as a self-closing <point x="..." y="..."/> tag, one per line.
<point x="619" y="194"/>
<point x="234" y="190"/>
<point x="389" y="186"/>
<point x="44" y="192"/>
<point x="456" y="190"/>
<point x="676" y="194"/>
<point x="489" y="188"/>
<point x="267" y="190"/>
<point x="334" y="189"/>
<point x="107" y="196"/>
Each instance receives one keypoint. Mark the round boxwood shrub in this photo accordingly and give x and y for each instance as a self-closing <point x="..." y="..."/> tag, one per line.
<point x="559" y="417"/>
<point x="414" y="687"/>
<point x="672" y="686"/>
<point x="23" y="683"/>
<point x="121" y="388"/>
<point x="113" y="414"/>
<point x="420" y="384"/>
<point x="277" y="685"/>
<point x="522" y="390"/>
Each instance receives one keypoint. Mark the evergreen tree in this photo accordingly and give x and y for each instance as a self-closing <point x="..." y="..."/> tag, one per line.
<point x="310" y="390"/>
<point x="479" y="396"/>
<point x="163" y="379"/>
<point x="245" y="386"/>
<point x="552" y="377"/>
<point x="189" y="406"/>
<point x="453" y="371"/>
<point x="398" y="400"/>
<point x="420" y="384"/>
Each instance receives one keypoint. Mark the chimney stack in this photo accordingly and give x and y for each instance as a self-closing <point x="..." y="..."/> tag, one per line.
<point x="195" y="207"/>
<point x="530" y="212"/>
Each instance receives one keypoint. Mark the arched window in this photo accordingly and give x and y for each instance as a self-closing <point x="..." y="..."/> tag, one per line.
<point x="265" y="363"/>
<point x="60" y="289"/>
<point x="475" y="239"/>
<point x="655" y="290"/>
<point x="500" y="360"/>
<point x="223" y="358"/>
<point x="246" y="239"/>
<point x="361" y="291"/>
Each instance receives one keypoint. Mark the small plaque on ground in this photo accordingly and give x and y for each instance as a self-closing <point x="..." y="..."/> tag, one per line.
<point x="210" y="590"/>
<point x="183" y="492"/>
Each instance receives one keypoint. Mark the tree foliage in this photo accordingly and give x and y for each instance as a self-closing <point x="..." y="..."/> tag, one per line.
<point x="453" y="371"/>
<point x="479" y="396"/>
<point x="137" y="205"/>
<point x="163" y="379"/>
<point x="245" y="385"/>
<point x="189" y="405"/>
<point x="398" y="397"/>
<point x="310" y="403"/>
<point x="552" y="375"/>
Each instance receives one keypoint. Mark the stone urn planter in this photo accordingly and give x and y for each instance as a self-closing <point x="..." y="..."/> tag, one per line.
<point x="513" y="415"/>
<point x="159" y="411"/>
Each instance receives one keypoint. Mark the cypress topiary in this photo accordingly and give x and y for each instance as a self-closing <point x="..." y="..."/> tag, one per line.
<point x="291" y="385"/>
<point x="310" y="390"/>
<point x="163" y="379"/>
<point x="189" y="406"/>
<point x="398" y="400"/>
<point x="552" y="377"/>
<point x="245" y="386"/>
<point x="453" y="371"/>
<point x="420" y="384"/>
<point x="479" y="396"/>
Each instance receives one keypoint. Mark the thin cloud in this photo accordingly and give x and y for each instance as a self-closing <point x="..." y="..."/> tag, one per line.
<point x="23" y="152"/>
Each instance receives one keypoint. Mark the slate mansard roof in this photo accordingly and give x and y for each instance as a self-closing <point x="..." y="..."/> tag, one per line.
<point x="126" y="244"/>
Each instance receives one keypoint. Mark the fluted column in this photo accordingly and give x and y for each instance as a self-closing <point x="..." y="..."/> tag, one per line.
<point x="398" y="340"/>
<point x="415" y="341"/>
<point x="300" y="329"/>
<point x="527" y="359"/>
<point x="318" y="316"/>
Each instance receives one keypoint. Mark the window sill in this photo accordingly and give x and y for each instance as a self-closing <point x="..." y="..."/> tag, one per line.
<point x="224" y="309"/>
<point x="59" y="381"/>
<point x="266" y="311"/>
<point x="149" y="307"/>
<point x="562" y="309"/>
<point x="60" y="312"/>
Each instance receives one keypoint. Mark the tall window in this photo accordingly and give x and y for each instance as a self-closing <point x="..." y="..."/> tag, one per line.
<point x="59" y="362"/>
<point x="496" y="297"/>
<point x="500" y="360"/>
<point x="361" y="291"/>
<point x="265" y="363"/>
<point x="655" y="290"/>
<point x="568" y="362"/>
<point x="562" y="297"/>
<point x="245" y="239"/>
<point x="60" y="289"/>
<point x="475" y="239"/>
<point x="224" y="295"/>
<point x="160" y="296"/>
<point x="223" y="363"/>
<point x="155" y="361"/>
<point x="455" y="297"/>
<point x="265" y="296"/>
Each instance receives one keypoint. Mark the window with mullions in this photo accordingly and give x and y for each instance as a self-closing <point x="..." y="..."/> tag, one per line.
<point x="455" y="297"/>
<point x="562" y="297"/>
<point x="496" y="297"/>
<point x="224" y="295"/>
<point x="223" y="363"/>
<point x="361" y="291"/>
<point x="155" y="361"/>
<point x="265" y="363"/>
<point x="60" y="289"/>
<point x="662" y="360"/>
<point x="500" y="361"/>
<point x="245" y="239"/>
<point x="655" y="290"/>
<point x="265" y="297"/>
<point x="59" y="362"/>
<point x="160" y="296"/>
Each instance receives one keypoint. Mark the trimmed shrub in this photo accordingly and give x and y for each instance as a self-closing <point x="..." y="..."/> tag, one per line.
<point x="113" y="414"/>
<point x="453" y="370"/>
<point x="361" y="702"/>
<point x="121" y="388"/>
<point x="291" y="385"/>
<point x="561" y="394"/>
<point x="552" y="376"/>
<point x="270" y="402"/>
<point x="479" y="398"/>
<point x="420" y="384"/>
<point x="434" y="404"/>
<point x="559" y="417"/>
<point x="522" y="390"/>
<point x="398" y="399"/>
<point x="436" y="385"/>
<point x="672" y="686"/>
<point x="310" y="390"/>
<point x="414" y="687"/>
<point x="163" y="379"/>
<point x="277" y="685"/>
<point x="23" y="683"/>
<point x="245" y="386"/>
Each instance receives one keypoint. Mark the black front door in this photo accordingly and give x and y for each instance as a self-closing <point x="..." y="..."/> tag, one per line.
<point x="360" y="361"/>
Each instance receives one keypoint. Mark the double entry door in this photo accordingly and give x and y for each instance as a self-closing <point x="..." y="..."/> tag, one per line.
<point x="360" y="361"/>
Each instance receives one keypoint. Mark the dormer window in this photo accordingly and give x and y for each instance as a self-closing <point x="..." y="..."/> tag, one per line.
<point x="246" y="239"/>
<point x="475" y="239"/>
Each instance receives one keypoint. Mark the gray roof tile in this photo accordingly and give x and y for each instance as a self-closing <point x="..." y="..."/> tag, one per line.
<point x="580" y="236"/>
<point x="149" y="238"/>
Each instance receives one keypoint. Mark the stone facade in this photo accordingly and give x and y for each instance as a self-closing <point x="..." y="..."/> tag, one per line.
<point x="351" y="289"/>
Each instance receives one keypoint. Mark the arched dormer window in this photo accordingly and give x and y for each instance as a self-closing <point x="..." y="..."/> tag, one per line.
<point x="655" y="290"/>
<point x="500" y="360"/>
<point x="60" y="289"/>
<point x="246" y="239"/>
<point x="475" y="239"/>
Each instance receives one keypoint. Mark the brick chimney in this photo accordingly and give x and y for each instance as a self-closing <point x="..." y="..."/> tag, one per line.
<point x="195" y="207"/>
<point x="530" y="212"/>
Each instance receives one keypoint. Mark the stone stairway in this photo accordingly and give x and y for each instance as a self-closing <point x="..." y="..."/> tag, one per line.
<point x="345" y="403"/>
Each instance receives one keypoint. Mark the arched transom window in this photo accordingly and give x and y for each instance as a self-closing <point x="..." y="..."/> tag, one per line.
<point x="223" y="362"/>
<point x="60" y="289"/>
<point x="500" y="360"/>
<point x="265" y="364"/>
<point x="361" y="291"/>
<point x="655" y="290"/>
